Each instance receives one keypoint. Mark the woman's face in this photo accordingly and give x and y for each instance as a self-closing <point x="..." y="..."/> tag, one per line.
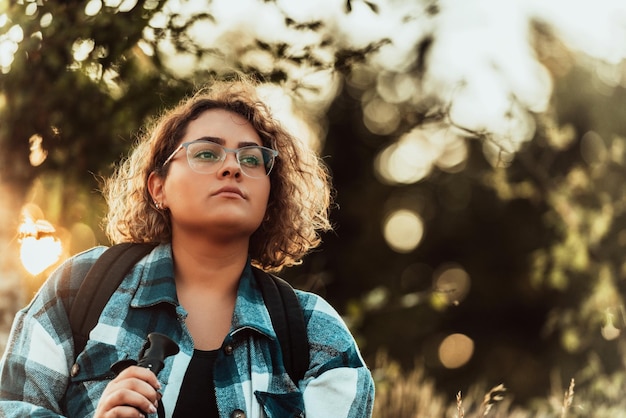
<point x="225" y="204"/>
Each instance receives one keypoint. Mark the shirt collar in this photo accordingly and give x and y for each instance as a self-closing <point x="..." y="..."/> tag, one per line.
<point x="250" y="309"/>
<point x="156" y="285"/>
<point x="156" y="280"/>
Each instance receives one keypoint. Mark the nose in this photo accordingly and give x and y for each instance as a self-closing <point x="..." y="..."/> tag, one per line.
<point x="230" y="166"/>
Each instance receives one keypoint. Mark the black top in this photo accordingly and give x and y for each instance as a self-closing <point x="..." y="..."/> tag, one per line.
<point x="197" y="393"/>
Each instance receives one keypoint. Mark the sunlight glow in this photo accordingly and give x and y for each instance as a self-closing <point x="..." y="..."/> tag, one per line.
<point x="483" y="65"/>
<point x="39" y="249"/>
<point x="591" y="27"/>
<point x="9" y="43"/>
<point x="8" y="49"/>
<point x="82" y="48"/>
<point x="285" y="110"/>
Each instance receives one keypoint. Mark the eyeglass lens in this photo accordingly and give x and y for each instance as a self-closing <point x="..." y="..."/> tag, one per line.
<point x="207" y="157"/>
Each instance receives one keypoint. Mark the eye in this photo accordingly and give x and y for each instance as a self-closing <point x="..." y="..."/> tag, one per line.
<point x="249" y="161"/>
<point x="250" y="157"/>
<point x="204" y="153"/>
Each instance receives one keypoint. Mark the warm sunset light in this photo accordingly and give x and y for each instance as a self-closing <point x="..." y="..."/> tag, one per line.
<point x="39" y="248"/>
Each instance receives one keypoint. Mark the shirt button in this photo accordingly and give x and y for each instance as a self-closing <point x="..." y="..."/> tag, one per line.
<point x="238" y="413"/>
<point x="229" y="350"/>
<point x="75" y="370"/>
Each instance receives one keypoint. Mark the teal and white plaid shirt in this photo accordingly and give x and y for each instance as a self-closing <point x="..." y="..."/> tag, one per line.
<point x="38" y="377"/>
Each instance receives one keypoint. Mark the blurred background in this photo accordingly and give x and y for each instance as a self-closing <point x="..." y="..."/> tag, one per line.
<point x="478" y="151"/>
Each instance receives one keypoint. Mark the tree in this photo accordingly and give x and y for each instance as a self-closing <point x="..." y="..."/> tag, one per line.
<point x="522" y="190"/>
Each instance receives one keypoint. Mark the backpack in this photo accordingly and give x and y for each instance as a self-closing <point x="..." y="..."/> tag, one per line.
<point x="109" y="270"/>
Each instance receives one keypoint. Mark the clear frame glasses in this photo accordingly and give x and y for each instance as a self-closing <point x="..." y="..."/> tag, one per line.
<point x="207" y="157"/>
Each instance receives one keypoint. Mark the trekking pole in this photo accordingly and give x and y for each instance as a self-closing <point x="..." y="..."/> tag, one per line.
<point x="157" y="349"/>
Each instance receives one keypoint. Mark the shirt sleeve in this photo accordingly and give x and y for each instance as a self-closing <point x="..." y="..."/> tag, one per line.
<point x="34" y="369"/>
<point x="338" y="382"/>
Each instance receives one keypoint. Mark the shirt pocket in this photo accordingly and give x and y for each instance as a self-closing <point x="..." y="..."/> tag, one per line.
<point x="94" y="363"/>
<point x="89" y="376"/>
<point x="281" y="405"/>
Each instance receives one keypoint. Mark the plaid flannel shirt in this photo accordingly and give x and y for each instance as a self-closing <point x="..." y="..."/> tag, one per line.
<point x="38" y="375"/>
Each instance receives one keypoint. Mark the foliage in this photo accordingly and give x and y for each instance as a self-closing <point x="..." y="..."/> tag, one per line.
<point x="540" y="230"/>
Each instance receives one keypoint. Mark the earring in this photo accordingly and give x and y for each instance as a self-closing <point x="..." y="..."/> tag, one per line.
<point x="158" y="205"/>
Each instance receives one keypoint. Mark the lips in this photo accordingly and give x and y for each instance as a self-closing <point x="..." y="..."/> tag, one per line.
<point x="229" y="190"/>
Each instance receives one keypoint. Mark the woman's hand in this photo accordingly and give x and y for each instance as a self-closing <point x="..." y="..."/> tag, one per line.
<point x="132" y="393"/>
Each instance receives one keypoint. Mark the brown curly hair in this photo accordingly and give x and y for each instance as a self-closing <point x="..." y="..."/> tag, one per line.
<point x="300" y="194"/>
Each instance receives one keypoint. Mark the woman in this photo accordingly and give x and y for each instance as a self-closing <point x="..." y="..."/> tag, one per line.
<point x="221" y="186"/>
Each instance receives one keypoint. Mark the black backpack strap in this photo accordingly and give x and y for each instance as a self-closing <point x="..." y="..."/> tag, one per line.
<point x="288" y="321"/>
<point x="101" y="281"/>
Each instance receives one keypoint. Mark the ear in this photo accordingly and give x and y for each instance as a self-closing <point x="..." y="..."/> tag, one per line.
<point x="156" y="188"/>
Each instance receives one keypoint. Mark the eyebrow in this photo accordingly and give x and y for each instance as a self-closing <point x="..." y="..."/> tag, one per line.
<point x="221" y="141"/>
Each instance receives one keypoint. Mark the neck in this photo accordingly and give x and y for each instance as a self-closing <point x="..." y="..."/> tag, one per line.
<point x="209" y="265"/>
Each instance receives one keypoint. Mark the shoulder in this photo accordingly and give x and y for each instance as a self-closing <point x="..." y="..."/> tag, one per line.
<point x="343" y="383"/>
<point x="315" y="305"/>
<point x="325" y="327"/>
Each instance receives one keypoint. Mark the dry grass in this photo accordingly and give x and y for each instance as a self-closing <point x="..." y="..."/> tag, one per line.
<point x="411" y="394"/>
<point x="400" y="394"/>
<point x="568" y="399"/>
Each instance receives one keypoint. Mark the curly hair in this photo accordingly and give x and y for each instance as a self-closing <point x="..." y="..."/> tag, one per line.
<point x="300" y="187"/>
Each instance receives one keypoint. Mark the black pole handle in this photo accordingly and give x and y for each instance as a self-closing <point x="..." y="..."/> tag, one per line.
<point x="153" y="355"/>
<point x="158" y="348"/>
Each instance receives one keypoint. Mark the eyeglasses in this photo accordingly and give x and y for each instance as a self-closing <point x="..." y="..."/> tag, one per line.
<point x="206" y="157"/>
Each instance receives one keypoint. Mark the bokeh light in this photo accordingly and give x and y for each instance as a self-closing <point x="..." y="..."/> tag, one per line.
<point x="403" y="230"/>
<point x="82" y="48"/>
<point x="9" y="43"/>
<point x="451" y="284"/>
<point x="37" y="153"/>
<point x="46" y="20"/>
<point x="456" y="350"/>
<point x="93" y="7"/>
<point x="593" y="149"/>
<point x="609" y="331"/>
<point x="380" y="117"/>
<point x="414" y="155"/>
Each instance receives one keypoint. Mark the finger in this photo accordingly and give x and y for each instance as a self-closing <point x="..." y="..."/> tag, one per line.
<point x="140" y="373"/>
<point x="126" y="412"/>
<point x="125" y="400"/>
<point x="132" y="384"/>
